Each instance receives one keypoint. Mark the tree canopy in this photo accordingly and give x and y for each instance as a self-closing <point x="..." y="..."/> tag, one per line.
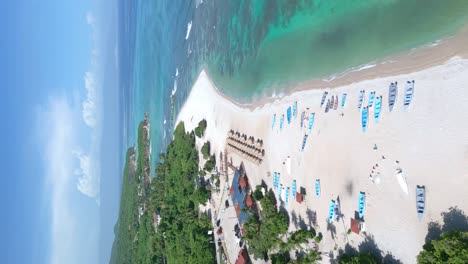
<point x="182" y="233"/>
<point x="200" y="129"/>
<point x="264" y="235"/>
<point x="451" y="247"/>
<point x="205" y="150"/>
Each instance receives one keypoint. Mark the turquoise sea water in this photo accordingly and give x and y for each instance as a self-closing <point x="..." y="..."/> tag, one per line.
<point x="250" y="46"/>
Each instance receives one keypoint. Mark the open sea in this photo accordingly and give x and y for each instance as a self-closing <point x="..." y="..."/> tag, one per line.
<point x="250" y="46"/>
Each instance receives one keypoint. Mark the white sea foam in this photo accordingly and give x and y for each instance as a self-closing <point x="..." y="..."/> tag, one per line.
<point x="354" y="69"/>
<point x="189" y="28"/>
<point x="164" y="121"/>
<point x="176" y="72"/>
<point x="363" y="67"/>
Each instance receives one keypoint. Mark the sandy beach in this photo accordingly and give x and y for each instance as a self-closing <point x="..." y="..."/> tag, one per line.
<point x="428" y="142"/>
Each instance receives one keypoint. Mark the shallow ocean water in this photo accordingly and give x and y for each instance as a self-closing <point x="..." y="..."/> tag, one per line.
<point x="251" y="46"/>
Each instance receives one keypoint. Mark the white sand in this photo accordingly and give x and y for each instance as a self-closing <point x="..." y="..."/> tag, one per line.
<point x="430" y="141"/>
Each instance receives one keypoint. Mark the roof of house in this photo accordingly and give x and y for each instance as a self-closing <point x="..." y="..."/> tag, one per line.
<point x="248" y="200"/>
<point x="243" y="257"/>
<point x="355" y="226"/>
<point x="238" y="210"/>
<point x="243" y="182"/>
<point x="299" y="197"/>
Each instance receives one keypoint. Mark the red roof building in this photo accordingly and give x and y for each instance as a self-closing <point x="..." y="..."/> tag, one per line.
<point x="243" y="182"/>
<point x="238" y="210"/>
<point x="248" y="200"/>
<point x="355" y="226"/>
<point x="232" y="191"/>
<point x="299" y="197"/>
<point x="243" y="257"/>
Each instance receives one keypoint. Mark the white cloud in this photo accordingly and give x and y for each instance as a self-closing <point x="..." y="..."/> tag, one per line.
<point x="70" y="132"/>
<point x="88" y="181"/>
<point x="90" y="19"/>
<point x="90" y="104"/>
<point x="57" y="128"/>
<point x="89" y="171"/>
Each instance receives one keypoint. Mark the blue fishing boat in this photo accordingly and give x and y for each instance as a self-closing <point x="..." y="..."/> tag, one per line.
<point x="371" y="99"/>
<point x="409" y="91"/>
<point x="273" y="120"/>
<point x="317" y="188"/>
<point x="279" y="192"/>
<point x="343" y="100"/>
<point x="294" y="110"/>
<point x="361" y="204"/>
<point x="361" y="99"/>
<point x="392" y="95"/>
<point x="332" y="102"/>
<point x="364" y="118"/>
<point x="304" y="141"/>
<point x="286" y="195"/>
<point x="331" y="211"/>
<point x="324" y="96"/>
<point x="294" y="190"/>
<point x="281" y="122"/>
<point x="288" y="115"/>
<point x="420" y="200"/>
<point x="311" y="122"/>
<point x="377" y="108"/>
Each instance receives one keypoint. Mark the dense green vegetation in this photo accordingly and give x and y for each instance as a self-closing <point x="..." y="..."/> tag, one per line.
<point x="205" y="150"/>
<point x="200" y="130"/>
<point x="258" y="195"/>
<point x="210" y="163"/>
<point x="127" y="226"/>
<point x="264" y="235"/>
<point x="451" y="247"/>
<point x="181" y="236"/>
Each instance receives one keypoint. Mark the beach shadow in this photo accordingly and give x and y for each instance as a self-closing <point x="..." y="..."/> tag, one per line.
<point x="264" y="185"/>
<point x="349" y="188"/>
<point x="301" y="223"/>
<point x="434" y="230"/>
<point x="333" y="260"/>
<point x="294" y="218"/>
<point x="332" y="228"/>
<point x="453" y="219"/>
<point x="348" y="250"/>
<point x="368" y="246"/>
<point x="310" y="216"/>
<point x="390" y="259"/>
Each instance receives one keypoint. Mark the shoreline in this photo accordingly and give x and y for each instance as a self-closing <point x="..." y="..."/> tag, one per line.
<point x="417" y="59"/>
<point x="428" y="141"/>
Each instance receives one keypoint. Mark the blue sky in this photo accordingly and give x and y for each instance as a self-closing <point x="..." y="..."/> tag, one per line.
<point x="56" y="57"/>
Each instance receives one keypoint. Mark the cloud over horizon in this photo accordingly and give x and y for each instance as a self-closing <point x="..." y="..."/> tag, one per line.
<point x="58" y="131"/>
<point x="89" y="172"/>
<point x="69" y="128"/>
